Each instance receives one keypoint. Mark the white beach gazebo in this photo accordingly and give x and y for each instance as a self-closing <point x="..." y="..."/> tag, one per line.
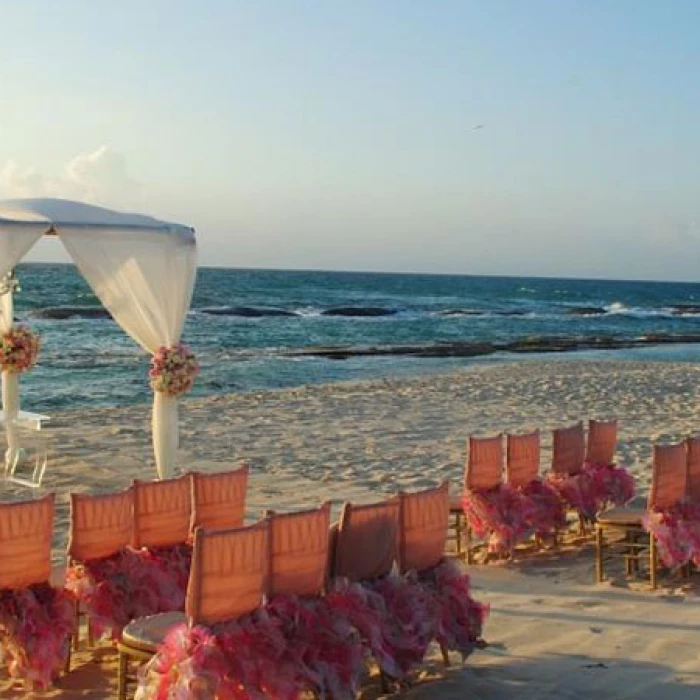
<point x="141" y="269"/>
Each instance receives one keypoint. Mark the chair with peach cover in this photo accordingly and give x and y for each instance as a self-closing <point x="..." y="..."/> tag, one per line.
<point x="327" y="659"/>
<point x="365" y="551"/>
<point x="492" y="511"/>
<point x="637" y="529"/>
<point x="101" y="530"/>
<point x="443" y="597"/>
<point x="543" y="510"/>
<point x="567" y="474"/>
<point x="162" y="520"/>
<point x="218" y="500"/>
<point x="228" y="581"/>
<point x="602" y="441"/>
<point x="36" y="620"/>
<point x="693" y="448"/>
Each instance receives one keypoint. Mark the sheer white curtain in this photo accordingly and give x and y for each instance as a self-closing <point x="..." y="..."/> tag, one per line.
<point x="15" y="242"/>
<point x="145" y="280"/>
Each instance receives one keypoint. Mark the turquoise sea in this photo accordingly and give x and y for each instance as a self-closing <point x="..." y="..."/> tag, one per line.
<point x="248" y="326"/>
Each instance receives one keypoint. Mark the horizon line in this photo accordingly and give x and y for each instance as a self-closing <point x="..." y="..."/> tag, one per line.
<point x="411" y="273"/>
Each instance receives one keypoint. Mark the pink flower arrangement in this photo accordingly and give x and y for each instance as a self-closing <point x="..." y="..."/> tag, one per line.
<point x="173" y="369"/>
<point x="35" y="629"/>
<point x="19" y="349"/>
<point x="131" y="583"/>
<point x="292" y="646"/>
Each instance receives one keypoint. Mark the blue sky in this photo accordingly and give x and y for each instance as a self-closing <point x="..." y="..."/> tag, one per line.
<point x="348" y="135"/>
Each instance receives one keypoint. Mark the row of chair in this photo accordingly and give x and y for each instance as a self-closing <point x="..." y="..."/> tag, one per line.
<point x="488" y="465"/>
<point x="675" y="481"/>
<point x="235" y="571"/>
<point x="156" y="513"/>
<point x="485" y="467"/>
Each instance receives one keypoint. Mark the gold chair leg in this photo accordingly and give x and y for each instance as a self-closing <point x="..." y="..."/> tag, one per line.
<point x="90" y="635"/>
<point x="468" y="543"/>
<point x="445" y="655"/>
<point x="458" y="534"/>
<point x="123" y="668"/>
<point x="652" y="561"/>
<point x="76" y="627"/>
<point x="66" y="665"/>
<point x="599" y="545"/>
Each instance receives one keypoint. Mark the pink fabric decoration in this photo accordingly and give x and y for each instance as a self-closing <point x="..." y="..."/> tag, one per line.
<point x="596" y="487"/>
<point x="677" y="533"/>
<point x="35" y="629"/>
<point x="131" y="583"/>
<point x="498" y="515"/>
<point x="459" y="618"/>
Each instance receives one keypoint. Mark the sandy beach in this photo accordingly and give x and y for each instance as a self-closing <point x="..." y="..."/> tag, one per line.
<point x="553" y="632"/>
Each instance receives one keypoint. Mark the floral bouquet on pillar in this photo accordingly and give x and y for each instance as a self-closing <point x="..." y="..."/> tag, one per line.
<point x="19" y="349"/>
<point x="173" y="369"/>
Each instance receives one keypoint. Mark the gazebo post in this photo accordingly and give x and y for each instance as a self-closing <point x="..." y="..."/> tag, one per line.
<point x="10" y="380"/>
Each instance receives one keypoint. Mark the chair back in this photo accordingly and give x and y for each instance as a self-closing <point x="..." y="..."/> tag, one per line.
<point x="100" y="525"/>
<point x="484" y="463"/>
<point x="669" y="476"/>
<point x="162" y="512"/>
<point x="366" y="543"/>
<point x="522" y="458"/>
<point x="423" y="523"/>
<point x="26" y="531"/>
<point x="602" y="441"/>
<point x="218" y="500"/>
<point x="569" y="449"/>
<point x="229" y="574"/>
<point x="299" y="548"/>
<point x="693" y="456"/>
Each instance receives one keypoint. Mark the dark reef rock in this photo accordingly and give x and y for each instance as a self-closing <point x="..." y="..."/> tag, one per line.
<point x="359" y="311"/>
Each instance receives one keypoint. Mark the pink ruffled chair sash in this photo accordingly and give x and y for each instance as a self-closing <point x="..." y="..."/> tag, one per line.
<point x="669" y="478"/>
<point x="229" y="573"/>
<point x="26" y="530"/>
<point x="484" y="463"/>
<point x="366" y="540"/>
<point x="602" y="441"/>
<point x="162" y="512"/>
<point x="423" y="523"/>
<point x="569" y="449"/>
<point x="299" y="548"/>
<point x="100" y="525"/>
<point x="219" y="499"/>
<point x="523" y="459"/>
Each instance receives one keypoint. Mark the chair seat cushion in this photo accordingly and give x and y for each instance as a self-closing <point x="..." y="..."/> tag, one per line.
<point x="630" y="514"/>
<point x="146" y="633"/>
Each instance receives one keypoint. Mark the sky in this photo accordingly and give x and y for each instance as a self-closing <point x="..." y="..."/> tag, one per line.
<point x="513" y="137"/>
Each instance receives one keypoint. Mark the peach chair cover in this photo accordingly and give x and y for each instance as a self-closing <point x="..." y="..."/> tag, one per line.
<point x="693" y="448"/>
<point x="522" y="458"/>
<point x="230" y="570"/>
<point x="484" y="463"/>
<point x="569" y="449"/>
<point x="602" y="441"/>
<point x="669" y="476"/>
<point x="423" y="522"/>
<point x="219" y="499"/>
<point x="162" y="512"/>
<point x="26" y="531"/>
<point x="299" y="549"/>
<point x="100" y="525"/>
<point x="366" y="541"/>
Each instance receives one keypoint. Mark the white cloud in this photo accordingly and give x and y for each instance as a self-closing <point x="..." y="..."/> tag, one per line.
<point x="99" y="177"/>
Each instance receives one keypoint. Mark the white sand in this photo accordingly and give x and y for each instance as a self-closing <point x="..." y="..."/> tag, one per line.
<point x="555" y="634"/>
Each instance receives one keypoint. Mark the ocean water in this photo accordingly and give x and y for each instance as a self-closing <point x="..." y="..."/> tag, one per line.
<point x="245" y="326"/>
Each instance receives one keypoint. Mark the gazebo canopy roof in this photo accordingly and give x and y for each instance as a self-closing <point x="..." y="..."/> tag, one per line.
<point x="64" y="213"/>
